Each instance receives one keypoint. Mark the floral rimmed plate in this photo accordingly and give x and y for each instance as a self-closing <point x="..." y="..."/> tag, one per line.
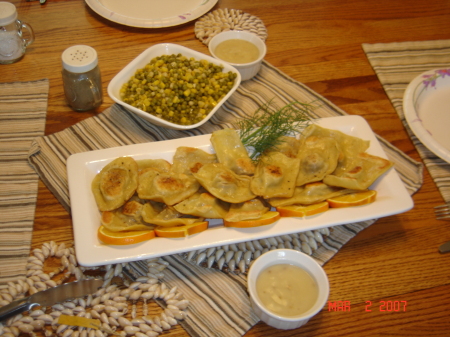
<point x="426" y="105"/>
<point x="151" y="13"/>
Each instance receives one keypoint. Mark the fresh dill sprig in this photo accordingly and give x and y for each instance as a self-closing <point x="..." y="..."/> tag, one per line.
<point x="263" y="130"/>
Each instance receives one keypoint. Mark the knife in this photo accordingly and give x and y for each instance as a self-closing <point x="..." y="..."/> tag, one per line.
<point x="51" y="296"/>
<point x="445" y="247"/>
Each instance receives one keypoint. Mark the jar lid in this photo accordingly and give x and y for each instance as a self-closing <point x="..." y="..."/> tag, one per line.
<point x="8" y="13"/>
<point x="79" y="59"/>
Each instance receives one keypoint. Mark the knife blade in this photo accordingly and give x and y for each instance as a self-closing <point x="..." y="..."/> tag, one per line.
<point x="51" y="296"/>
<point x="445" y="247"/>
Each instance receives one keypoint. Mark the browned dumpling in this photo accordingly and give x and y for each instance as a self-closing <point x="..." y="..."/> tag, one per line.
<point x="318" y="158"/>
<point x="168" y="217"/>
<point x="289" y="146"/>
<point x="231" y="152"/>
<point x="252" y="209"/>
<point x="189" y="159"/>
<point x="224" y="184"/>
<point x="169" y="188"/>
<point x="152" y="209"/>
<point x="310" y="194"/>
<point x="203" y="204"/>
<point x="115" y="183"/>
<point x="349" y="146"/>
<point x="160" y="165"/>
<point x="125" y="218"/>
<point x="362" y="172"/>
<point x="275" y="176"/>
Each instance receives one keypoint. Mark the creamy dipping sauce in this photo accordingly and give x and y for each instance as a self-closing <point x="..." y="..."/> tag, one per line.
<point x="237" y="51"/>
<point x="286" y="290"/>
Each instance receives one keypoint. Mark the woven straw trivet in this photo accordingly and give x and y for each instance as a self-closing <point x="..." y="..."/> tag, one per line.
<point x="222" y="20"/>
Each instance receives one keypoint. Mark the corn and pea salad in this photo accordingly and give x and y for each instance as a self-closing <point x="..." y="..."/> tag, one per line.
<point x="178" y="89"/>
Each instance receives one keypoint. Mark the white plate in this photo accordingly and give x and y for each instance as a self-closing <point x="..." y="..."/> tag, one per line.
<point x="144" y="58"/>
<point x="426" y="105"/>
<point x="392" y="198"/>
<point x="151" y="13"/>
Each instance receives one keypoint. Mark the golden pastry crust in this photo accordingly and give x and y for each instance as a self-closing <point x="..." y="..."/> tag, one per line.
<point x="231" y="152"/>
<point x="160" y="165"/>
<point x="318" y="158"/>
<point x="224" y="184"/>
<point x="169" y="188"/>
<point x="203" y="204"/>
<point x="365" y="170"/>
<point x="310" y="194"/>
<point x="168" y="217"/>
<point x="115" y="184"/>
<point x="252" y="209"/>
<point x="126" y="218"/>
<point x="275" y="176"/>
<point x="189" y="160"/>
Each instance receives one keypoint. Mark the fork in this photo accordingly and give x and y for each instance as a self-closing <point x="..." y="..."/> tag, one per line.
<point x="442" y="212"/>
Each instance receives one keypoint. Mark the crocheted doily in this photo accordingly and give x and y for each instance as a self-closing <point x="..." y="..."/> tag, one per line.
<point x="228" y="19"/>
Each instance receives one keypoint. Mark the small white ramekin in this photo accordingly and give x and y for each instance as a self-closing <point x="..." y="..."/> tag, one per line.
<point x="247" y="70"/>
<point x="293" y="257"/>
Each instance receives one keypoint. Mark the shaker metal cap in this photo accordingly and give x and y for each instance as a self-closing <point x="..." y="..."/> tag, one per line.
<point x="8" y="13"/>
<point x="79" y="59"/>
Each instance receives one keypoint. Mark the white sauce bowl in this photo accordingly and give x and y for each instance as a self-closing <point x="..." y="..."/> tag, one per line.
<point x="247" y="70"/>
<point x="296" y="258"/>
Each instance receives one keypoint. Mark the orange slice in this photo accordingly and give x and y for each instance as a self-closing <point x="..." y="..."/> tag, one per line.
<point x="266" y="219"/>
<point x="301" y="211"/>
<point x="182" y="230"/>
<point x="353" y="199"/>
<point x="124" y="238"/>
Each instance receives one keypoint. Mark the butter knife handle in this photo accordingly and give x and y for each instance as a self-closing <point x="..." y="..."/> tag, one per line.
<point x="14" y="308"/>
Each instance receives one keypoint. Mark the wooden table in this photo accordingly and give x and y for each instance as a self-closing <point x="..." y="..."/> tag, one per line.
<point x="317" y="42"/>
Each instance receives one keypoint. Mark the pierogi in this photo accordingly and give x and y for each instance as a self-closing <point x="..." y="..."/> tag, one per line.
<point x="318" y="157"/>
<point x="227" y="184"/>
<point x="289" y="146"/>
<point x="349" y="147"/>
<point x="275" y="176"/>
<point x="115" y="184"/>
<point x="231" y="152"/>
<point x="224" y="184"/>
<point x="188" y="160"/>
<point x="168" y="217"/>
<point x="203" y="204"/>
<point x="362" y="172"/>
<point x="125" y="218"/>
<point x="251" y="209"/>
<point x="169" y="188"/>
<point x="309" y="194"/>
<point x="160" y="165"/>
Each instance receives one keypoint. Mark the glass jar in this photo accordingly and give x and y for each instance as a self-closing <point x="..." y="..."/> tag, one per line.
<point x="81" y="78"/>
<point x="12" y="43"/>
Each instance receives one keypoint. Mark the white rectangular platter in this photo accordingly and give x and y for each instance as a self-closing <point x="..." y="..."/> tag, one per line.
<point x="392" y="198"/>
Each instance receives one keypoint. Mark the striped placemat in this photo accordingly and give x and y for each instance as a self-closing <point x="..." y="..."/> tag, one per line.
<point x="219" y="302"/>
<point x="23" y="108"/>
<point x="396" y="65"/>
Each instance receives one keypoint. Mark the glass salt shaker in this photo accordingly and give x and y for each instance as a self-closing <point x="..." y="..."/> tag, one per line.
<point x="12" y="42"/>
<point x="81" y="78"/>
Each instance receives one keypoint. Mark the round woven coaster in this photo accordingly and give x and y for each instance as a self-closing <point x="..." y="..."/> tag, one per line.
<point x="228" y="19"/>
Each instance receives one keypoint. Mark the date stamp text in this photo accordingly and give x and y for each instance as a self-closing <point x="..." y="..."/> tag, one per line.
<point x="381" y="306"/>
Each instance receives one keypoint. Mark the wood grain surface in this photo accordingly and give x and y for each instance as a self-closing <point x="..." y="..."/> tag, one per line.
<point x="317" y="42"/>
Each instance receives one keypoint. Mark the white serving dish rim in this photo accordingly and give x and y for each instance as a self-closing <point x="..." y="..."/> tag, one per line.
<point x="392" y="198"/>
<point x="144" y="58"/>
